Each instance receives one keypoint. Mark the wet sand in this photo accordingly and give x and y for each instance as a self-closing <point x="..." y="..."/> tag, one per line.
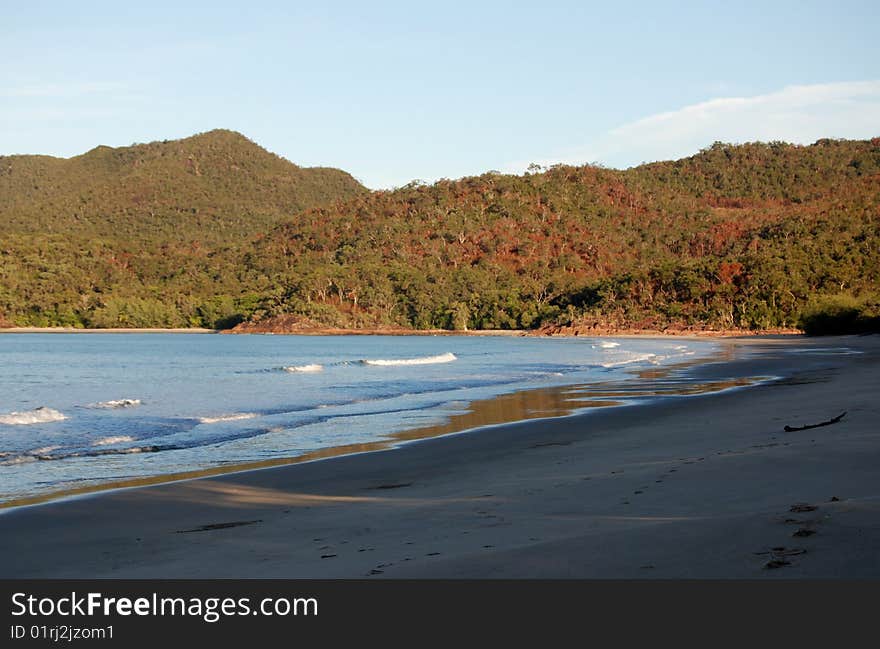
<point x="708" y="486"/>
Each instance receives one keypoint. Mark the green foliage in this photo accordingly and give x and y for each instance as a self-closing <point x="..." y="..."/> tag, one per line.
<point x="842" y="314"/>
<point x="135" y="312"/>
<point x="167" y="221"/>
<point x="213" y="230"/>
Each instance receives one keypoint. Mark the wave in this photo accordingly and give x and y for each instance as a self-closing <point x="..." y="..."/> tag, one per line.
<point x="637" y="358"/>
<point x="607" y="344"/>
<point x="314" y="367"/>
<point x="19" y="459"/>
<point x="233" y="417"/>
<point x="44" y="450"/>
<point x="40" y="415"/>
<point x="113" y="439"/>
<point x="448" y="357"/>
<point x="116" y="403"/>
<point x="33" y="456"/>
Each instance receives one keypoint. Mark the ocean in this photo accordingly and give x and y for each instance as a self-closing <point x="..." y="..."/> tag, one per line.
<point x="80" y="411"/>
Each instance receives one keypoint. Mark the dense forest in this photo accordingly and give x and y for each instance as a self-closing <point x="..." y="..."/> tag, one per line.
<point x="214" y="231"/>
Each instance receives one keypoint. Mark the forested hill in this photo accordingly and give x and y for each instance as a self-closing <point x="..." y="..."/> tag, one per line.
<point x="735" y="237"/>
<point x="752" y="236"/>
<point x="211" y="186"/>
<point x="145" y="235"/>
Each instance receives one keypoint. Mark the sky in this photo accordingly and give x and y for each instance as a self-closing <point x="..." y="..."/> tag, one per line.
<point x="400" y="91"/>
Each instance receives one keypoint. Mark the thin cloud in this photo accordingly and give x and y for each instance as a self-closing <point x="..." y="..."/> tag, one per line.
<point x="798" y="114"/>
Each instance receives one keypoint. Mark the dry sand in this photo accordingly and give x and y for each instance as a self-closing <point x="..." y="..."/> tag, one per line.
<point x="685" y="487"/>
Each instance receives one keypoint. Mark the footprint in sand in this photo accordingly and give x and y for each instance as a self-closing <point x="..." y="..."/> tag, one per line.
<point x="392" y="485"/>
<point x="776" y="563"/>
<point x="219" y="526"/>
<point x="778" y="556"/>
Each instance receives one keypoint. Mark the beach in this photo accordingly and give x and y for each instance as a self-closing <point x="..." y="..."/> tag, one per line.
<point x="709" y="486"/>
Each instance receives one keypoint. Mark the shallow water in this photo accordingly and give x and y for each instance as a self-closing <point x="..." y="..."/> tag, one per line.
<point x="83" y="410"/>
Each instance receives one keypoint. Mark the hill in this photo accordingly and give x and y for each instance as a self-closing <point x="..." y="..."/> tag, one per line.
<point x="213" y="184"/>
<point x="736" y="237"/>
<point x="124" y="222"/>
<point x="752" y="236"/>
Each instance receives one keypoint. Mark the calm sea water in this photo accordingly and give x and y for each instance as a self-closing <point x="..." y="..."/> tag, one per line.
<point x="78" y="410"/>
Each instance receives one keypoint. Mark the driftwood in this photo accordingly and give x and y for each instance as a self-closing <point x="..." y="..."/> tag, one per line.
<point x="791" y="429"/>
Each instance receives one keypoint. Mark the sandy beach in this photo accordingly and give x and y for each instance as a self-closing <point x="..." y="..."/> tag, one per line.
<point x="708" y="486"/>
<point x="73" y="330"/>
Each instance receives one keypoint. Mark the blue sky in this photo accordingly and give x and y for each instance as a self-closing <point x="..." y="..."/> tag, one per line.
<point x="397" y="91"/>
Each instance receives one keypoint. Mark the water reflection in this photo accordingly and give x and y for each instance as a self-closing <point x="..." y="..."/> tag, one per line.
<point x="536" y="403"/>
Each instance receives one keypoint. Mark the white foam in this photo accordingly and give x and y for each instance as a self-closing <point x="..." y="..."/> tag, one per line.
<point x="21" y="459"/>
<point x="233" y="417"/>
<point x="43" y="450"/>
<point x="113" y="439"/>
<point x="117" y="403"/>
<point x="636" y="358"/>
<point x="448" y="357"/>
<point x="306" y="369"/>
<point x="607" y="344"/>
<point x="40" y="415"/>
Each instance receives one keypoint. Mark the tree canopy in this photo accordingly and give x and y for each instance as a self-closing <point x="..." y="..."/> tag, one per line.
<point x="213" y="231"/>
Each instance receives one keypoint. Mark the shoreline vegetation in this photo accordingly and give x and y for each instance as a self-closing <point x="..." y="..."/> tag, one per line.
<point x="214" y="231"/>
<point x="646" y="491"/>
<point x="321" y="331"/>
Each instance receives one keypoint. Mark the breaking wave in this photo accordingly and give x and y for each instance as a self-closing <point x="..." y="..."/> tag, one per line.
<point x="40" y="415"/>
<point x="34" y="456"/>
<point x="117" y="403"/>
<point x="44" y="450"/>
<point x="448" y="357"/>
<point x="305" y="369"/>
<point x="114" y="439"/>
<point x="233" y="417"/>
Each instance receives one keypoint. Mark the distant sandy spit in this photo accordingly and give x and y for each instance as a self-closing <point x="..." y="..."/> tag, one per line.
<point x="73" y="330"/>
